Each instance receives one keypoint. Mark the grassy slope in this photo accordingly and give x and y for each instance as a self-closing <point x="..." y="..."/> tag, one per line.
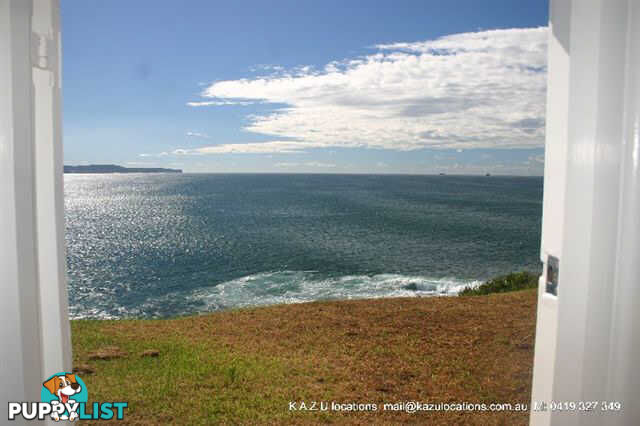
<point x="244" y="366"/>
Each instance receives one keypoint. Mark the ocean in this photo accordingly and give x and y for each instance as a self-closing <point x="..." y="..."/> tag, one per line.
<point x="162" y="245"/>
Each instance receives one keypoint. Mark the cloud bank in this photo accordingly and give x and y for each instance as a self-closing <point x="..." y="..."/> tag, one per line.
<point x="471" y="90"/>
<point x="282" y="147"/>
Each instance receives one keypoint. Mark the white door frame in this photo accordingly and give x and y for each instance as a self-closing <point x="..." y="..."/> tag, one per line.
<point x="587" y="337"/>
<point x="34" y="324"/>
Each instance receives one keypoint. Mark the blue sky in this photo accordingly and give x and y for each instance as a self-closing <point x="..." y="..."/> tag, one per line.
<point x="306" y="86"/>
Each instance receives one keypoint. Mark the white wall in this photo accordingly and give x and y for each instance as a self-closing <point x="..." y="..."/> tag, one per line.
<point x="19" y="306"/>
<point x="34" y="326"/>
<point x="554" y="197"/>
<point x="624" y="334"/>
<point x="597" y="221"/>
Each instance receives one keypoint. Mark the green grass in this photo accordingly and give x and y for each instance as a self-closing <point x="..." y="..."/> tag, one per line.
<point x="244" y="366"/>
<point x="511" y="282"/>
<point x="186" y="378"/>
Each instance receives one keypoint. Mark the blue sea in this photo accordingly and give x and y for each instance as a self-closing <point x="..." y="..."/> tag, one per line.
<point x="161" y="245"/>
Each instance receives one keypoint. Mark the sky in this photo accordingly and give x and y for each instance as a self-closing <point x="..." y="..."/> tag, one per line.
<point x="417" y="87"/>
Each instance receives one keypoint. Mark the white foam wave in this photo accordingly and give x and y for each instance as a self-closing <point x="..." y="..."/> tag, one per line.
<point x="270" y="288"/>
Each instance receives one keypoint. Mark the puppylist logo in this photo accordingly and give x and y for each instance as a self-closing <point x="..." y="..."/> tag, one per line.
<point x="64" y="396"/>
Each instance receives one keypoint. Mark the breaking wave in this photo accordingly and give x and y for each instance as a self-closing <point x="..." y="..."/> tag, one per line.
<point x="269" y="288"/>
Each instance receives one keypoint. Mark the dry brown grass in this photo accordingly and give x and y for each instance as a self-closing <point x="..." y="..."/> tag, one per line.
<point x="244" y="366"/>
<point x="106" y="353"/>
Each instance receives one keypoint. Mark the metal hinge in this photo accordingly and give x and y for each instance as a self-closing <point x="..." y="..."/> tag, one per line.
<point x="553" y="272"/>
<point x="43" y="52"/>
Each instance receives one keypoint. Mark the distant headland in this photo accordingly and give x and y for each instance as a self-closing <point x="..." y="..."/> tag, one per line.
<point x="112" y="168"/>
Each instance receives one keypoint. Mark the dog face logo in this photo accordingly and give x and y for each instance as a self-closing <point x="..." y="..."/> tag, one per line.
<point x="63" y="387"/>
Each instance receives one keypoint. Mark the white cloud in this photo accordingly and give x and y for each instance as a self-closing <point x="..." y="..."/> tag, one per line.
<point x="138" y="163"/>
<point x="307" y="164"/>
<point x="470" y="90"/>
<point x="319" y="164"/>
<point x="197" y="135"/>
<point x="162" y="154"/>
<point x="267" y="67"/>
<point x="286" y="147"/>
<point x="219" y="103"/>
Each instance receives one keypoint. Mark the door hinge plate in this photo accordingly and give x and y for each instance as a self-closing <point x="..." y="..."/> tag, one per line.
<point x="43" y="52"/>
